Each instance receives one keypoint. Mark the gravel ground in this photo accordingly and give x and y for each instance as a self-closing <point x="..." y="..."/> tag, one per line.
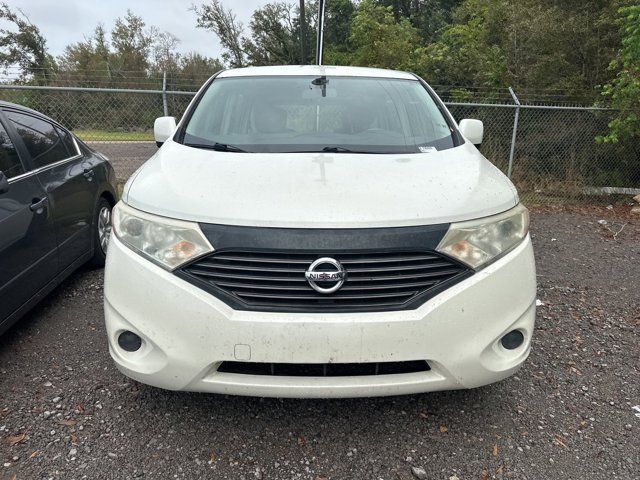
<point x="66" y="412"/>
<point x="125" y="157"/>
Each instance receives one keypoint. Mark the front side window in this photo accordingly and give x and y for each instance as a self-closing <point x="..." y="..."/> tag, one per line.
<point x="10" y="163"/>
<point x="40" y="138"/>
<point x="314" y="114"/>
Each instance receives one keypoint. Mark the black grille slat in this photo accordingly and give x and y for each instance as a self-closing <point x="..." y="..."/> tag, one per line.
<point x="275" y="281"/>
<point x="196" y="271"/>
<point x="346" y="288"/>
<point x="308" y="259"/>
<point x="398" y="268"/>
<point x="323" y="369"/>
<point x="403" y="276"/>
<point x="334" y="297"/>
<point x="249" y="268"/>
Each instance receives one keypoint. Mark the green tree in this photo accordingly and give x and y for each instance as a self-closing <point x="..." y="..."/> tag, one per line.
<point x="624" y="90"/>
<point x="378" y="40"/>
<point x="275" y="35"/>
<point x="337" y="32"/>
<point x="223" y="22"/>
<point x="428" y="16"/>
<point x="528" y="44"/>
<point x="132" y="44"/>
<point x="87" y="62"/>
<point x="25" y="48"/>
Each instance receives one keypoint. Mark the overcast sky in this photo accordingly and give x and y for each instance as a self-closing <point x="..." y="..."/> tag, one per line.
<point x="68" y="21"/>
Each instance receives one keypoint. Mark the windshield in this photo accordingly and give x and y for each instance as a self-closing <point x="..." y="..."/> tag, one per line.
<point x="315" y="114"/>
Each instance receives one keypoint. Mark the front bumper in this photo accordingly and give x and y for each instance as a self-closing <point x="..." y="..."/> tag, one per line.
<point x="187" y="332"/>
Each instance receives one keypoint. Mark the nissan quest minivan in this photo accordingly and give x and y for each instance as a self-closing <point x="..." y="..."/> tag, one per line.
<point x="317" y="231"/>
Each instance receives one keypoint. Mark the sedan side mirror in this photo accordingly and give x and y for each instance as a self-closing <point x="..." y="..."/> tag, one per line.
<point x="4" y="183"/>
<point x="472" y="130"/>
<point x="163" y="128"/>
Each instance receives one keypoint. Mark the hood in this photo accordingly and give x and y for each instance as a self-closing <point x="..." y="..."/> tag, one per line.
<point x="319" y="190"/>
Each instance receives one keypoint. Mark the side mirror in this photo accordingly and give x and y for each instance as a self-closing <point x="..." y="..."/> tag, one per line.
<point x="163" y="127"/>
<point x="472" y="130"/>
<point x="4" y="183"/>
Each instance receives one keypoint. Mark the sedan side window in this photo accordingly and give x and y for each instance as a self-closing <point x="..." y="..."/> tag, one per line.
<point x="10" y="163"/>
<point x="68" y="142"/>
<point x="40" y="137"/>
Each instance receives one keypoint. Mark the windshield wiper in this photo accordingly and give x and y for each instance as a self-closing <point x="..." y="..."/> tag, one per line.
<point x="338" y="149"/>
<point x="220" y="147"/>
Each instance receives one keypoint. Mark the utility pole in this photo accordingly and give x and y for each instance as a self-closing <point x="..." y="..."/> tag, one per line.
<point x="303" y="34"/>
<point x="320" y="40"/>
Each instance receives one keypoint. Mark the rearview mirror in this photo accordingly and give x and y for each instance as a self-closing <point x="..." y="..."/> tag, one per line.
<point x="163" y="128"/>
<point x="472" y="130"/>
<point x="4" y="183"/>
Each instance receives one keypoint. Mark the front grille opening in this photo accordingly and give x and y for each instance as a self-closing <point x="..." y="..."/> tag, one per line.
<point x="275" y="281"/>
<point x="323" y="369"/>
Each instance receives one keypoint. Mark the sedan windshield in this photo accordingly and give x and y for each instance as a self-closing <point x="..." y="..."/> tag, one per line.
<point x="317" y="114"/>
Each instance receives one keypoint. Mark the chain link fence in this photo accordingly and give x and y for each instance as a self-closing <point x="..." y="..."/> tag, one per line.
<point x="555" y="157"/>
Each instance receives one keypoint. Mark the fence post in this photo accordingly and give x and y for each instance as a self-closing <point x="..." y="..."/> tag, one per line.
<point x="165" y="108"/>
<point x="515" y="129"/>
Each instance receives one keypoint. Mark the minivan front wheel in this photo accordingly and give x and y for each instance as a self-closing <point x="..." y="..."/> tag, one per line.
<point x="101" y="232"/>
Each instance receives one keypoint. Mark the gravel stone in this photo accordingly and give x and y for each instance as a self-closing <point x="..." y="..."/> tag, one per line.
<point x="419" y="472"/>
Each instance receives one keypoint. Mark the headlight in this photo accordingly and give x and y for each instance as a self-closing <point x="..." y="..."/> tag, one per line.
<point x="165" y="241"/>
<point x="479" y="242"/>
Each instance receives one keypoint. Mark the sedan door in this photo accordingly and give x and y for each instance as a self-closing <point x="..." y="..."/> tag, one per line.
<point x="67" y="179"/>
<point x="28" y="257"/>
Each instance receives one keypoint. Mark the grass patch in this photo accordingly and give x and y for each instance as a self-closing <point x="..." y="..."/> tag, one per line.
<point x="106" y="135"/>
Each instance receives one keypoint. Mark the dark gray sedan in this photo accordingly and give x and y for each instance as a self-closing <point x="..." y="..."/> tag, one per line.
<point x="56" y="196"/>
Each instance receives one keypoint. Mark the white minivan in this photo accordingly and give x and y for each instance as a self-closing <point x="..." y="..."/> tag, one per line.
<point x="319" y="231"/>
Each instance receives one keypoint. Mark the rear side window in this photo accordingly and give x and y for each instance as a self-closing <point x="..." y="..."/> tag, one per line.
<point x="40" y="138"/>
<point x="10" y="163"/>
<point x="67" y="140"/>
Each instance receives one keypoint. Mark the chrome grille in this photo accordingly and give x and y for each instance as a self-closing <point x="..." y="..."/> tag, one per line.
<point x="275" y="281"/>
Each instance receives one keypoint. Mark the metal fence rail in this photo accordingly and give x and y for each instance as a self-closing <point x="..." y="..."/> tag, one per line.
<point x="549" y="151"/>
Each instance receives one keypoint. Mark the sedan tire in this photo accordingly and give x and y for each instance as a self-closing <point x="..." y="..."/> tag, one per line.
<point x="101" y="232"/>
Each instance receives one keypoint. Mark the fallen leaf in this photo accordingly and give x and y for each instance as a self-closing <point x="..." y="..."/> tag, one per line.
<point x="495" y="450"/>
<point x="68" y="423"/>
<point x="443" y="429"/>
<point x="213" y="457"/>
<point x="484" y="475"/>
<point x="302" y="442"/>
<point x="500" y="469"/>
<point x="423" y="414"/>
<point x="74" y="439"/>
<point x="15" y="439"/>
<point x="559" y="441"/>
<point x="80" y="408"/>
<point x="34" y="454"/>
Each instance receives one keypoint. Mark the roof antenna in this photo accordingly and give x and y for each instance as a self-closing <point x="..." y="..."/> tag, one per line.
<point x="320" y="40"/>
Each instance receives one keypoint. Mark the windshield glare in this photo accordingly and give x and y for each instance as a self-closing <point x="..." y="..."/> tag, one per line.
<point x="314" y="114"/>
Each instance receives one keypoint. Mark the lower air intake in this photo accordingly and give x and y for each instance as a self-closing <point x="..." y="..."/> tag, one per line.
<point x="323" y="369"/>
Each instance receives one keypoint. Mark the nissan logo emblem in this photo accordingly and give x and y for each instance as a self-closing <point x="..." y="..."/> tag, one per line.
<point x="334" y="278"/>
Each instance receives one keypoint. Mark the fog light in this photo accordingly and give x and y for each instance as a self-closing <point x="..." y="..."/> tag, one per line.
<point x="512" y="340"/>
<point x="129" y="341"/>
